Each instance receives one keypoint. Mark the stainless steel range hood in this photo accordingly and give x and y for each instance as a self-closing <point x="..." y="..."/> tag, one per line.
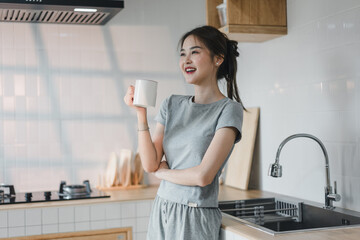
<point x="90" y="12"/>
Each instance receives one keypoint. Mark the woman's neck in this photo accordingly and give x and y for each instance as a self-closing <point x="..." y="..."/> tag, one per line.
<point x="208" y="94"/>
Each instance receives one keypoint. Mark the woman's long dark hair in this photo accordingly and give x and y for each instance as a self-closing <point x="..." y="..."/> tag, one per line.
<point x="219" y="45"/>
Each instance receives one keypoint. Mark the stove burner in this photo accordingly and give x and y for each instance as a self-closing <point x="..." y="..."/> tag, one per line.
<point x="7" y="191"/>
<point x="74" y="191"/>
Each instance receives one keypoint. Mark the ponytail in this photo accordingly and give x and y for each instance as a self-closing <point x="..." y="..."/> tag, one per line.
<point x="220" y="45"/>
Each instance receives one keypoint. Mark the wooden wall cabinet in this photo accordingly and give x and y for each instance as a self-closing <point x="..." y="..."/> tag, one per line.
<point x="250" y="20"/>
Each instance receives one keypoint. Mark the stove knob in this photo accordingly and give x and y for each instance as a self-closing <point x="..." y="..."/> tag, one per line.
<point x="47" y="196"/>
<point x="28" y="196"/>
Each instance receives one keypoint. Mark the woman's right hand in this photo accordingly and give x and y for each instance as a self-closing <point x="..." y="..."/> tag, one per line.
<point x="129" y="99"/>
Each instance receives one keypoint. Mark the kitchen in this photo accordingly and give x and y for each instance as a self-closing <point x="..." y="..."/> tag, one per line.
<point x="62" y="109"/>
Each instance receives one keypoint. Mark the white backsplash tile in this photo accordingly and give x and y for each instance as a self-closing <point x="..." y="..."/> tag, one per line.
<point x="82" y="226"/>
<point x="128" y="210"/>
<point x="33" y="230"/>
<point x="142" y="224"/>
<point x="66" y="227"/>
<point x="67" y="214"/>
<point x="143" y="209"/>
<point x="113" y="211"/>
<point x="140" y="236"/>
<point x="50" y="215"/>
<point x="16" y="231"/>
<point x="97" y="212"/>
<point x="129" y="222"/>
<point x="97" y="225"/>
<point x="113" y="223"/>
<point x="33" y="217"/>
<point x="16" y="218"/>
<point x="3" y="232"/>
<point x="3" y="219"/>
<point x="82" y="213"/>
<point x="50" y="228"/>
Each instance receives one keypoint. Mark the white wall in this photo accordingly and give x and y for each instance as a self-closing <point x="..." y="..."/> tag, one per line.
<point x="308" y="81"/>
<point x="62" y="88"/>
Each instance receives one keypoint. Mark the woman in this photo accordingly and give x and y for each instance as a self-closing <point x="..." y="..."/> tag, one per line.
<point x="196" y="134"/>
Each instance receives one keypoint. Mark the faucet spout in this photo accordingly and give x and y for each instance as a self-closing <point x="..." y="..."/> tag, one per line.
<point x="275" y="169"/>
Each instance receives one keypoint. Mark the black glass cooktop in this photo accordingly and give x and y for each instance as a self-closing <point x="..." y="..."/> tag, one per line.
<point x="65" y="193"/>
<point x="40" y="197"/>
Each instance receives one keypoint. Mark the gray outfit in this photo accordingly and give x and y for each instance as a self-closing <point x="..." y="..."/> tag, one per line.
<point x="174" y="221"/>
<point x="189" y="130"/>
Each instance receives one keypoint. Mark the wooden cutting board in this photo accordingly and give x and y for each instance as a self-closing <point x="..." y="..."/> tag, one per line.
<point x="240" y="160"/>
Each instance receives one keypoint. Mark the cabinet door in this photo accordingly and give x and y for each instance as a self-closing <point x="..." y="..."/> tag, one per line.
<point x="113" y="236"/>
<point x="257" y="12"/>
<point x="106" y="234"/>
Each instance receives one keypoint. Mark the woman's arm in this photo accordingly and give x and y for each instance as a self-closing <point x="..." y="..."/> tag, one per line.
<point x="150" y="150"/>
<point x="204" y="173"/>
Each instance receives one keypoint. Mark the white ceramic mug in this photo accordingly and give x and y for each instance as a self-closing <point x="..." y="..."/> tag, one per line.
<point x="145" y="93"/>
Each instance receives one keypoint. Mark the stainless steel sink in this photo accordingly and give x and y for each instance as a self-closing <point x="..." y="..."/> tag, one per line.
<point x="275" y="216"/>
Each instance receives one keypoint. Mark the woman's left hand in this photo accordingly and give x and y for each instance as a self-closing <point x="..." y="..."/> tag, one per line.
<point x="162" y="167"/>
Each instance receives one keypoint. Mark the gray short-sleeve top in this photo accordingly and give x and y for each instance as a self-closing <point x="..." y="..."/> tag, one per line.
<point x="189" y="130"/>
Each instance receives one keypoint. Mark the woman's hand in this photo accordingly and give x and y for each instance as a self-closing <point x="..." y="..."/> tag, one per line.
<point x="129" y="99"/>
<point x="162" y="168"/>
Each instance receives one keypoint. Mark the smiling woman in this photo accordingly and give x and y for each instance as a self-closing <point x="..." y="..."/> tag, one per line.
<point x="196" y="134"/>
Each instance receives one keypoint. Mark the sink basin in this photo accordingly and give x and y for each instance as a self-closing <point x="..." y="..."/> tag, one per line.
<point x="275" y="216"/>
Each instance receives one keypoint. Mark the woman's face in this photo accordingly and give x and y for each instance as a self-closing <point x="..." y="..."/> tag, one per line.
<point x="196" y="63"/>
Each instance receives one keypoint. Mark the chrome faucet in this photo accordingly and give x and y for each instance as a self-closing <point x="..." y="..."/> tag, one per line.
<point x="275" y="169"/>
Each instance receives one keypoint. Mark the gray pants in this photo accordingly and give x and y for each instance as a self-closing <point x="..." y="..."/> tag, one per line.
<point x="174" y="221"/>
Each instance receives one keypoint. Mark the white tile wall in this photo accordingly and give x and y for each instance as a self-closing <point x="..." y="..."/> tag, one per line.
<point x="16" y="218"/>
<point x="62" y="88"/>
<point x="33" y="217"/>
<point x="36" y="221"/>
<point x="32" y="230"/>
<point x="16" y="231"/>
<point x="50" y="215"/>
<point x="67" y="214"/>
<point x="82" y="214"/>
<point x="3" y="219"/>
<point x="308" y="81"/>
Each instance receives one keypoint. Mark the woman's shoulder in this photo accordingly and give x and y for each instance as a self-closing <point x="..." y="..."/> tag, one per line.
<point x="175" y="101"/>
<point x="232" y="104"/>
<point x="174" y="98"/>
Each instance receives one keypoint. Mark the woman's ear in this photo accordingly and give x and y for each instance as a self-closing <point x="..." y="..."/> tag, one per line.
<point x="218" y="60"/>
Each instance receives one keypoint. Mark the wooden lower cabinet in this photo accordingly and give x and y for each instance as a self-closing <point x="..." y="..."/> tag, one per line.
<point x="108" y="234"/>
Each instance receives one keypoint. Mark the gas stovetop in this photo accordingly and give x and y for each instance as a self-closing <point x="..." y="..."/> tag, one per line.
<point x="66" y="192"/>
